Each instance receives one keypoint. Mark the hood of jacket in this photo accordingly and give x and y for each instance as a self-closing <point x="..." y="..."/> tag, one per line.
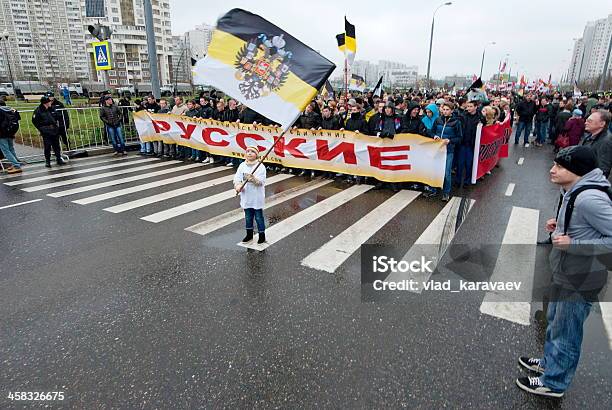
<point x="429" y="122"/>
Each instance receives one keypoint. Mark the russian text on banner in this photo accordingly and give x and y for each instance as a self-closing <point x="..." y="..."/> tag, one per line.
<point x="406" y="157"/>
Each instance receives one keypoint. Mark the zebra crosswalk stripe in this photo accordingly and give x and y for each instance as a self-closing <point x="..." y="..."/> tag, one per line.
<point x="204" y="202"/>
<point x="122" y="180"/>
<point x="297" y="221"/>
<point x="29" y="170"/>
<point x="515" y="262"/>
<point x="333" y="254"/>
<point x="227" y="218"/>
<point x="97" y="176"/>
<point x="434" y="240"/>
<point x="137" y="203"/>
<point x="606" y="315"/>
<point x="76" y="172"/>
<point x="144" y="187"/>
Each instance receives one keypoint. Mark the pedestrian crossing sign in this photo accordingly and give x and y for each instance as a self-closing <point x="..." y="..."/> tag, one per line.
<point x="102" y="58"/>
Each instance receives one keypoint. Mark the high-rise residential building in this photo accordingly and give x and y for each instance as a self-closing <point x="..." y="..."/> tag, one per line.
<point x="199" y="39"/>
<point x="590" y="51"/>
<point x="45" y="42"/>
<point x="130" y="54"/>
<point x="395" y="74"/>
<point x="49" y="41"/>
<point x="180" y="70"/>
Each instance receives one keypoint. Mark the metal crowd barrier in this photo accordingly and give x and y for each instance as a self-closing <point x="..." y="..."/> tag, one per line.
<point x="85" y="131"/>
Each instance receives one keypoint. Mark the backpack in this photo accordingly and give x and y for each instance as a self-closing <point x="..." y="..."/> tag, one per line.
<point x="10" y="123"/>
<point x="606" y="259"/>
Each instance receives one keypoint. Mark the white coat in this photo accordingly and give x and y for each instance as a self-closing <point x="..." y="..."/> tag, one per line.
<point x="252" y="195"/>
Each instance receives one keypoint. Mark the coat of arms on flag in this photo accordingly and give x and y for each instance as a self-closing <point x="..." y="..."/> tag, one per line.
<point x="263" y="66"/>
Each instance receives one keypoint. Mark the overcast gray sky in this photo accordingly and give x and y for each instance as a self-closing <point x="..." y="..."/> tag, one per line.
<point x="536" y="33"/>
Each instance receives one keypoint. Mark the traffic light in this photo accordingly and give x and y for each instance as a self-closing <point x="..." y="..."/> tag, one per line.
<point x="100" y="32"/>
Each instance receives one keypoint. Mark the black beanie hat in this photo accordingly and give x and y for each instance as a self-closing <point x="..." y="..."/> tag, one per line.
<point x="577" y="159"/>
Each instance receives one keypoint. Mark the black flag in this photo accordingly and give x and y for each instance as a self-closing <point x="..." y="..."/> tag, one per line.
<point x="378" y="89"/>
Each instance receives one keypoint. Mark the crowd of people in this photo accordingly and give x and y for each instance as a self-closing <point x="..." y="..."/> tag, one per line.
<point x="561" y="120"/>
<point x="557" y="119"/>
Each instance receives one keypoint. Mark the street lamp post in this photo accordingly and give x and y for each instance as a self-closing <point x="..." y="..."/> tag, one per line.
<point x="483" y="56"/>
<point x="431" y="39"/>
<point x="5" y="37"/>
<point x="605" y="70"/>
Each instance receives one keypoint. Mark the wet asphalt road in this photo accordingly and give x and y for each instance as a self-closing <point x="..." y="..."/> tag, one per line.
<point x="121" y="313"/>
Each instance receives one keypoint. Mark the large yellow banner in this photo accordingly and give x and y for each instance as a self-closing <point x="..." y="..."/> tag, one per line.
<point x="406" y="157"/>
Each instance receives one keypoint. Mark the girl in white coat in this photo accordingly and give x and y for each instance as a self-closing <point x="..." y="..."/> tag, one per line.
<point x="252" y="195"/>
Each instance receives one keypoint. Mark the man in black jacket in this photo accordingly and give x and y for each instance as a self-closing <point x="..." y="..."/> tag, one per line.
<point x="469" y="120"/>
<point x="9" y="125"/>
<point x="111" y="116"/>
<point x="61" y="115"/>
<point x="46" y="124"/>
<point x="206" y="109"/>
<point x="525" y="109"/>
<point x="356" y="122"/>
<point x="328" y="120"/>
<point x="599" y="139"/>
<point x="412" y="122"/>
<point x="309" y="120"/>
<point x="375" y="118"/>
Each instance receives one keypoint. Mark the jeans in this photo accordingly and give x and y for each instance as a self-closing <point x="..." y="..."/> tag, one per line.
<point x="116" y="136"/>
<point x="8" y="149"/>
<point x="446" y="188"/>
<point x="541" y="129"/>
<point x="566" y="316"/>
<point x="249" y="214"/>
<point x="146" y="147"/>
<point x="522" y="127"/>
<point x="465" y="158"/>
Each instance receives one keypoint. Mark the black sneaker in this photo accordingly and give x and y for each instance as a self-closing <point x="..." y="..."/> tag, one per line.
<point x="534" y="385"/>
<point x="531" y="363"/>
<point x="430" y="194"/>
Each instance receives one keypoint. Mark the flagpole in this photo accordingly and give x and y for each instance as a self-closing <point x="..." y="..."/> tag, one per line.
<point x="345" y="80"/>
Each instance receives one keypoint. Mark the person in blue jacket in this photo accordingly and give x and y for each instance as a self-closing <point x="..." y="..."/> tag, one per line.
<point x="431" y="115"/>
<point x="447" y="128"/>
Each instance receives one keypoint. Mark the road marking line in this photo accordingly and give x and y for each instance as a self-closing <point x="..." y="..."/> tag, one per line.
<point x="83" y="159"/>
<point x="290" y="225"/>
<point x="515" y="262"/>
<point x="98" y="176"/>
<point x="606" y="317"/>
<point x="122" y="180"/>
<point x="70" y="165"/>
<point x="510" y="189"/>
<point x="219" y="221"/>
<point x="434" y="240"/>
<point x="21" y="203"/>
<point x="143" y="187"/>
<point x="334" y="253"/>
<point x="520" y="161"/>
<point x="169" y="194"/>
<point x="76" y="172"/>
<point x="204" y="202"/>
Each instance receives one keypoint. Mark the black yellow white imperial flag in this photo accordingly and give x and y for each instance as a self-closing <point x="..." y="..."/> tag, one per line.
<point x="262" y="66"/>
